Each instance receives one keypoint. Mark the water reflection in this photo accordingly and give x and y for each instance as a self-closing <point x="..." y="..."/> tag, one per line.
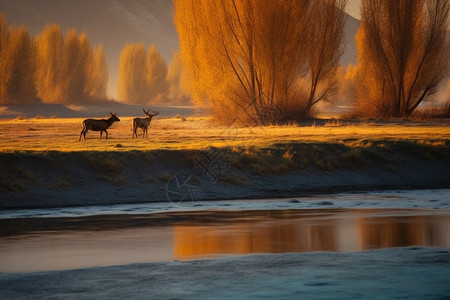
<point x="52" y="244"/>
<point x="402" y="231"/>
<point x="344" y="231"/>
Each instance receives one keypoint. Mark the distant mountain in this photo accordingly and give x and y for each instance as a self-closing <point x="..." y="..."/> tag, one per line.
<point x="114" y="23"/>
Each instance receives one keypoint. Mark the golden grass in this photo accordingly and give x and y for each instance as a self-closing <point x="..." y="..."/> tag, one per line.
<point x="198" y="133"/>
<point x="47" y="153"/>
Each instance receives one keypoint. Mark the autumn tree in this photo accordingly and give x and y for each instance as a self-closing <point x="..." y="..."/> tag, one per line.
<point x="248" y="59"/>
<point x="97" y="73"/>
<point x="69" y="69"/>
<point x="132" y="85"/>
<point x="142" y="77"/>
<point x="17" y="64"/>
<point x="50" y="48"/>
<point x="176" y="94"/>
<point x="242" y="58"/>
<point x="75" y="63"/>
<point x="325" y="48"/>
<point x="347" y="78"/>
<point x="156" y="74"/>
<point x="448" y="88"/>
<point x="402" y="54"/>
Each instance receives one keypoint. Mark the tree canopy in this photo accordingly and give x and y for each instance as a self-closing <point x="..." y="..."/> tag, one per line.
<point x="402" y="54"/>
<point x="258" y="61"/>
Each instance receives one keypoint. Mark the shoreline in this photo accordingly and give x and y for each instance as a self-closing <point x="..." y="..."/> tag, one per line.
<point x="64" y="179"/>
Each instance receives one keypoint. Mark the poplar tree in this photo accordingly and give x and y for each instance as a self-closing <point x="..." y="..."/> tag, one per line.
<point x="97" y="72"/>
<point x="17" y="65"/>
<point x="325" y="49"/>
<point x="50" y="49"/>
<point x="402" y="54"/>
<point x="156" y="74"/>
<point x="175" y="91"/>
<point x="249" y="58"/>
<point x="132" y="83"/>
<point x="142" y="76"/>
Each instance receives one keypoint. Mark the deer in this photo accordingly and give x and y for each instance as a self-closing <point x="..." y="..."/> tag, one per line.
<point x="98" y="125"/>
<point x="143" y="123"/>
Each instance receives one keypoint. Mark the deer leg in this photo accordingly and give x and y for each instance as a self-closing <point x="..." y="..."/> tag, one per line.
<point x="106" y="134"/>
<point x="84" y="133"/>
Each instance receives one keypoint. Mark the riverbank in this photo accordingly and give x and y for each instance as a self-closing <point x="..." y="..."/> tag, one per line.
<point x="39" y="179"/>
<point x="42" y="163"/>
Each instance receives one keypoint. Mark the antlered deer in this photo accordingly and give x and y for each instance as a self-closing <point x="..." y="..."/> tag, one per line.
<point x="98" y="125"/>
<point x="143" y="123"/>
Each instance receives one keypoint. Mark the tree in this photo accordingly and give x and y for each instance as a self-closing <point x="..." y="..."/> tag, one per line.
<point x="97" y="72"/>
<point x="241" y="58"/>
<point x="156" y="75"/>
<point x="402" y="54"/>
<point x="17" y="65"/>
<point x="347" y="84"/>
<point x="50" y="47"/>
<point x="176" y="93"/>
<point x="448" y="88"/>
<point x="76" y="59"/>
<point x="325" y="49"/>
<point x="69" y="70"/>
<point x="132" y="85"/>
<point x="142" y="77"/>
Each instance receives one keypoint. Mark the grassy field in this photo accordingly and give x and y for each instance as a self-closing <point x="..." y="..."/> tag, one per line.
<point x="42" y="163"/>
<point x="199" y="133"/>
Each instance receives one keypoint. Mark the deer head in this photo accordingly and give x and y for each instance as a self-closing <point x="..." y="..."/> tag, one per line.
<point x="114" y="117"/>
<point x="152" y="114"/>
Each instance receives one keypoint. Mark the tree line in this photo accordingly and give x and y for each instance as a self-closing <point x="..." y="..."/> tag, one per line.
<point x="267" y="62"/>
<point x="144" y="77"/>
<point x="50" y="67"/>
<point x="53" y="67"/>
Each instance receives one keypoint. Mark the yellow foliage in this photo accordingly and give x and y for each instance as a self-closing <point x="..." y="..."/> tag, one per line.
<point x="401" y="50"/>
<point x="245" y="60"/>
<point x="17" y="64"/>
<point x="131" y="85"/>
<point x="142" y="77"/>
<point x="49" y="68"/>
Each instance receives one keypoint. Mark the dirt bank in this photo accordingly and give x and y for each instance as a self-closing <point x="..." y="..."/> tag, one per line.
<point x="54" y="179"/>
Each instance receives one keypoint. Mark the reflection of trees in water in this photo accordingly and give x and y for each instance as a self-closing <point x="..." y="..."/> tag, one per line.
<point x="266" y="237"/>
<point x="399" y="232"/>
<point x="296" y="234"/>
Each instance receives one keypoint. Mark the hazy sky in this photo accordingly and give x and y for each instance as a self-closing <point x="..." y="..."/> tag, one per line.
<point x="353" y="8"/>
